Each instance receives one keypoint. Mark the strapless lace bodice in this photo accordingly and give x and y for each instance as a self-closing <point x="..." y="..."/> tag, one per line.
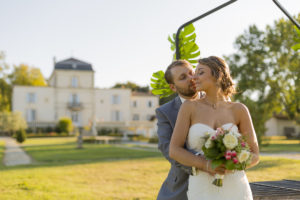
<point x="235" y="185"/>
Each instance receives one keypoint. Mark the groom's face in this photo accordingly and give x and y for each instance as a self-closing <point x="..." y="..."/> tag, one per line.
<point x="183" y="82"/>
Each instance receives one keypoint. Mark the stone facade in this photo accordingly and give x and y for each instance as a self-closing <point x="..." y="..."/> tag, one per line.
<point x="71" y="93"/>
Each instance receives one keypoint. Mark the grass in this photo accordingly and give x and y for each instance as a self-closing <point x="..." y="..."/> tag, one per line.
<point x="104" y="172"/>
<point x="279" y="144"/>
<point x="2" y="147"/>
<point x="64" y="152"/>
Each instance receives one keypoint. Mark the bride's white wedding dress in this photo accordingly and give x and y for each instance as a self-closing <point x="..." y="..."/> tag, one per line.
<point x="235" y="185"/>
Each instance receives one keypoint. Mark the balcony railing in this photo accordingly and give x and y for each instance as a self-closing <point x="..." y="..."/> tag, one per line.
<point x="75" y="106"/>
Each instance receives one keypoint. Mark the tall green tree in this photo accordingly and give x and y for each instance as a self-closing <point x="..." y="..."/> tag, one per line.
<point x="10" y="122"/>
<point x="267" y="72"/>
<point x="25" y="75"/>
<point x="5" y="87"/>
<point x="296" y="47"/>
<point x="132" y="86"/>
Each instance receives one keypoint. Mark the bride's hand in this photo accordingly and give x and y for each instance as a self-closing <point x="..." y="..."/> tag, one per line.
<point x="219" y="170"/>
<point x="229" y="171"/>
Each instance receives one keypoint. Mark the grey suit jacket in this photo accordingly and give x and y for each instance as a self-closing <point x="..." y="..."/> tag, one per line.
<point x="176" y="184"/>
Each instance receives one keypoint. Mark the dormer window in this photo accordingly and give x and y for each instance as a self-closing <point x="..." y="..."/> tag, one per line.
<point x="74" y="82"/>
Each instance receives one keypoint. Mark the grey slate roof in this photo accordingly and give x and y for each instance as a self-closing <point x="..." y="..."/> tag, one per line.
<point x="73" y="64"/>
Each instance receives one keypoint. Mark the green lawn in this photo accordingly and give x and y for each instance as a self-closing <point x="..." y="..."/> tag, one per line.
<point x="280" y="144"/>
<point x="1" y="152"/>
<point x="97" y="172"/>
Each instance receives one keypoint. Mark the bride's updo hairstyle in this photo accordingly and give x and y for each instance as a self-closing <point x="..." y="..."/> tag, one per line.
<point x="220" y="70"/>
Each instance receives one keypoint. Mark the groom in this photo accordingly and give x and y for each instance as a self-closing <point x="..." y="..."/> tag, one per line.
<point x="179" y="76"/>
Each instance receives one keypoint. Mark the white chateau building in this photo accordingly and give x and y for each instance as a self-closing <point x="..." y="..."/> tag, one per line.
<point x="71" y="93"/>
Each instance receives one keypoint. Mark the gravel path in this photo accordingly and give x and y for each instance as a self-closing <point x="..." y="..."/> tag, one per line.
<point x="290" y="155"/>
<point x="13" y="154"/>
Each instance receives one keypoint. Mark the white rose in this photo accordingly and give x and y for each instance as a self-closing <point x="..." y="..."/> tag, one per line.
<point x="243" y="156"/>
<point x="230" y="141"/>
<point x="208" y="143"/>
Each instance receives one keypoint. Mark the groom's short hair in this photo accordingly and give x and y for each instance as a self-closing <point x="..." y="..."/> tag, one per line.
<point x="176" y="63"/>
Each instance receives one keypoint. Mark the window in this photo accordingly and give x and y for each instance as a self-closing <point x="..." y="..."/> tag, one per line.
<point x="31" y="98"/>
<point x="74" y="117"/>
<point x="74" y="99"/>
<point x="150" y="104"/>
<point x="289" y="132"/>
<point x="74" y="82"/>
<point x="135" y="117"/>
<point x="116" y="99"/>
<point x="116" y="115"/>
<point x="134" y="104"/>
<point x="31" y="115"/>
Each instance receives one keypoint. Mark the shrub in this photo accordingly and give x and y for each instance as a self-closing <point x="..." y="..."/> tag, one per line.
<point x="138" y="137"/>
<point x="153" y="140"/>
<point x="48" y="129"/>
<point x="104" y="131"/>
<point x="21" y="136"/>
<point x="57" y="129"/>
<point x="65" y="125"/>
<point x="29" y="130"/>
<point x="116" y="130"/>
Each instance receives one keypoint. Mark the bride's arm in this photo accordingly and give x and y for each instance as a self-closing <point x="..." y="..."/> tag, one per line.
<point x="247" y="129"/>
<point x="178" y="139"/>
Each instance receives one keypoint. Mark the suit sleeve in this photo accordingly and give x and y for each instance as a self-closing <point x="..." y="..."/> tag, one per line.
<point x="164" y="132"/>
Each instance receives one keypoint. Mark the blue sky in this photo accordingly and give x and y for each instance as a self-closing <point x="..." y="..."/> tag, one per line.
<point x="124" y="40"/>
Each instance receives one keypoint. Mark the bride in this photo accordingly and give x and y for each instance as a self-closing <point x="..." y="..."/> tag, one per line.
<point x="196" y="117"/>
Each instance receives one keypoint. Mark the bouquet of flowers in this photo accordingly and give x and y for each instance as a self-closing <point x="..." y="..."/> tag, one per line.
<point x="226" y="147"/>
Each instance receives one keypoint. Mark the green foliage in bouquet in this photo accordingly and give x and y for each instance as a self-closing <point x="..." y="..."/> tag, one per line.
<point x="226" y="147"/>
<point x="189" y="51"/>
<point x="217" y="151"/>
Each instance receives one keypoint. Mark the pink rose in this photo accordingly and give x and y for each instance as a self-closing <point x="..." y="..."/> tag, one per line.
<point x="233" y="154"/>
<point x="243" y="144"/>
<point x="228" y="157"/>
<point x="219" y="131"/>
<point x="235" y="160"/>
<point x="213" y="138"/>
<point x="228" y="153"/>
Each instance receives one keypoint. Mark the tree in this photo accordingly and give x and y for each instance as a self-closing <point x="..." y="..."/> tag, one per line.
<point x="21" y="75"/>
<point x="132" y="86"/>
<point x="5" y="87"/>
<point x="25" y="75"/>
<point x="267" y="72"/>
<point x="10" y="122"/>
<point x="296" y="47"/>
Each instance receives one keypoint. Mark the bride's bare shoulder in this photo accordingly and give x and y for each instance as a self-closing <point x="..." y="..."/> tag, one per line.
<point x="239" y="108"/>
